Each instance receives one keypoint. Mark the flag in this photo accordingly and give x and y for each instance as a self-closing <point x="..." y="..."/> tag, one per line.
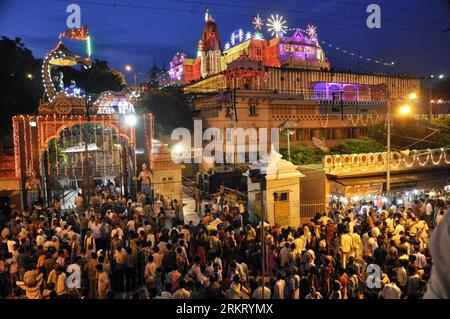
<point x="76" y="34"/>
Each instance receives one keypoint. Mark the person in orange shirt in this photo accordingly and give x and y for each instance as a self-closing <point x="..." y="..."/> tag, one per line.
<point x="371" y="219"/>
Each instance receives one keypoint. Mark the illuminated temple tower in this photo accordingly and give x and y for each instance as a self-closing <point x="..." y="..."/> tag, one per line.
<point x="210" y="47"/>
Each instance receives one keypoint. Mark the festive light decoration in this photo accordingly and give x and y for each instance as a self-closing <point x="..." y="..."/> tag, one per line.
<point x="311" y="30"/>
<point x="89" y="46"/>
<point x="227" y="46"/>
<point x="276" y="25"/>
<point x="377" y="61"/>
<point x="258" y="22"/>
<point x="258" y="36"/>
<point x="248" y="36"/>
<point x="376" y="161"/>
<point x="76" y="34"/>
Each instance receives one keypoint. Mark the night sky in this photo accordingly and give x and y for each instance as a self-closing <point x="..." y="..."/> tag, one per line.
<point x="137" y="32"/>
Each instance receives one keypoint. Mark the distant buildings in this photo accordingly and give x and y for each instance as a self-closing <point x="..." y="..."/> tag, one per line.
<point x="261" y="83"/>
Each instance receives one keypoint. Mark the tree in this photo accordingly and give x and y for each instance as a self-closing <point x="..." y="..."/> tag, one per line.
<point x="20" y="84"/>
<point x="361" y="145"/>
<point x="170" y="109"/>
<point x="95" y="80"/>
<point x="302" y="154"/>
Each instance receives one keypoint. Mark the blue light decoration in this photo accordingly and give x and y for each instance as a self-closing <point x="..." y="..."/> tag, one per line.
<point x="73" y="90"/>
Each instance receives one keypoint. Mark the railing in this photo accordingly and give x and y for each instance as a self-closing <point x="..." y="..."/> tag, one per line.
<point x="188" y="186"/>
<point x="232" y="195"/>
<point x="309" y="208"/>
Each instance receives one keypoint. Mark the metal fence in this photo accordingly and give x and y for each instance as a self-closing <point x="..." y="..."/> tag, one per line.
<point x="309" y="208"/>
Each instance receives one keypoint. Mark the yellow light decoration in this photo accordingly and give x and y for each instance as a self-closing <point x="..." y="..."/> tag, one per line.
<point x="67" y="61"/>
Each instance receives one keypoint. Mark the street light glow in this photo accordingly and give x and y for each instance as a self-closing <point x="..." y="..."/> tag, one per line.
<point x="178" y="148"/>
<point x="131" y="119"/>
<point x="412" y="96"/>
<point x="441" y="76"/>
<point x="30" y="76"/>
<point x="128" y="67"/>
<point x="405" y="110"/>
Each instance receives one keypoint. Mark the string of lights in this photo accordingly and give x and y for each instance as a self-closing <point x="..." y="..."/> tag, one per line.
<point x="235" y="13"/>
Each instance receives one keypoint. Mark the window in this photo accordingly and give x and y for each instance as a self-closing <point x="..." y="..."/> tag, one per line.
<point x="252" y="110"/>
<point x="281" y="196"/>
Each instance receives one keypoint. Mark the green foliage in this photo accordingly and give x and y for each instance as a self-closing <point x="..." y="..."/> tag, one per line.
<point x="361" y="145"/>
<point x="170" y="109"/>
<point x="302" y="154"/>
<point x="18" y="93"/>
<point x="95" y="80"/>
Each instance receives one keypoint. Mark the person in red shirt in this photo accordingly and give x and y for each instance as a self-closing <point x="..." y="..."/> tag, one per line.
<point x="343" y="280"/>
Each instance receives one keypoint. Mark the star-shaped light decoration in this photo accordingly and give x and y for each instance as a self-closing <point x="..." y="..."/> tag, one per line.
<point x="276" y="26"/>
<point x="311" y="30"/>
<point x="258" y="22"/>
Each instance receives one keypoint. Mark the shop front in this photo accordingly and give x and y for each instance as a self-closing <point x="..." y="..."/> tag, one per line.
<point x="363" y="192"/>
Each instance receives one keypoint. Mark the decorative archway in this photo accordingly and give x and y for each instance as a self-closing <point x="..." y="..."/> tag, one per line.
<point x="35" y="135"/>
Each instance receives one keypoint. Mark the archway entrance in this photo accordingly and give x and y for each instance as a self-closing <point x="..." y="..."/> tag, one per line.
<point x="83" y="157"/>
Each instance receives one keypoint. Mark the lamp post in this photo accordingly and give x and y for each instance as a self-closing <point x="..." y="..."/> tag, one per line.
<point x="432" y="77"/>
<point x="403" y="110"/>
<point x="289" y="127"/>
<point x="128" y="68"/>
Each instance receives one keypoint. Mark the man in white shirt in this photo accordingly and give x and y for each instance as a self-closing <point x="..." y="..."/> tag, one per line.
<point x="280" y="285"/>
<point x="346" y="247"/>
<point x="284" y="255"/>
<point x="258" y="293"/>
<point x="390" y="291"/>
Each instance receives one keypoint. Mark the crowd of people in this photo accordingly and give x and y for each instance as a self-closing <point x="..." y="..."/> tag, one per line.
<point x="113" y="248"/>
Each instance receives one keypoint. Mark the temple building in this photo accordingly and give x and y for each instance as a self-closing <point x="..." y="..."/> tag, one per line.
<point x="254" y="82"/>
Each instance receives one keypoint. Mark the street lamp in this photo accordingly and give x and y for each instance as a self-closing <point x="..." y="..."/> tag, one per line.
<point x="128" y="68"/>
<point x="30" y="76"/>
<point x="131" y="120"/>
<point x="403" y="110"/>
